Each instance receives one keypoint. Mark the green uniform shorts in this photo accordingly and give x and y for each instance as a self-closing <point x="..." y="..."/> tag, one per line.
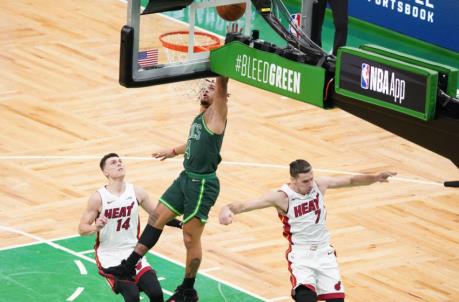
<point x="192" y="195"/>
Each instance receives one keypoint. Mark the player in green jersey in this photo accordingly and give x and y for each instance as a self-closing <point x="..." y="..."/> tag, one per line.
<point x="193" y="193"/>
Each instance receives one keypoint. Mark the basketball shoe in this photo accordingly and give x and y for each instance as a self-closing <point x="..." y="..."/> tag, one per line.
<point x="184" y="295"/>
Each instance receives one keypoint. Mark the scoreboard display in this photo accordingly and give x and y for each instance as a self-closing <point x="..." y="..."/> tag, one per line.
<point x="386" y="82"/>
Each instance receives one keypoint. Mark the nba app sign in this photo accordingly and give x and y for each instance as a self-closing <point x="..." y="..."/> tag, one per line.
<point x="382" y="81"/>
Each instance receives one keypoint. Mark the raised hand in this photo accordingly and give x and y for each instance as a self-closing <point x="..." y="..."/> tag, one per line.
<point x="226" y="216"/>
<point x="164" y="153"/>
<point x="383" y="176"/>
<point x="101" y="222"/>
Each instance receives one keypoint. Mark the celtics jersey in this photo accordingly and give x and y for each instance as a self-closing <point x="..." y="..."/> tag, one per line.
<point x="202" y="154"/>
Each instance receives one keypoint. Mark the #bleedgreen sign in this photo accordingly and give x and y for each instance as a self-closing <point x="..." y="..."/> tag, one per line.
<point x="270" y="72"/>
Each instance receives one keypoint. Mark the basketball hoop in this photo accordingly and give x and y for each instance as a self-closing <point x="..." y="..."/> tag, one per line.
<point x="175" y="45"/>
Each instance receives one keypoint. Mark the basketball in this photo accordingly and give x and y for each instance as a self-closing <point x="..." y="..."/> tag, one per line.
<point x="231" y="12"/>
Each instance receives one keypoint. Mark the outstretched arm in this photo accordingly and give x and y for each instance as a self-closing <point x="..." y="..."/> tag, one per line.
<point x="168" y="153"/>
<point x="352" y="180"/>
<point x="221" y="90"/>
<point x="273" y="199"/>
<point x="89" y="222"/>
<point x="144" y="200"/>
<point x="221" y="97"/>
<point x="216" y="116"/>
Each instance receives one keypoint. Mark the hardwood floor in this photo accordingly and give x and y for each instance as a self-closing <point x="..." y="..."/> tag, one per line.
<point x="62" y="108"/>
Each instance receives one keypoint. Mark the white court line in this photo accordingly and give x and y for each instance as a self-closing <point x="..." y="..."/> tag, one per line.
<point x="33" y="243"/>
<point x="79" y="290"/>
<point x="32" y="157"/>
<point x="48" y="242"/>
<point x="75" y="294"/>
<point x="285" y="298"/>
<point x="81" y="267"/>
<point x="221" y="292"/>
<point x="87" y="252"/>
<point x="59" y="247"/>
<point x="229" y="163"/>
<point x="211" y="277"/>
<point x="210" y="269"/>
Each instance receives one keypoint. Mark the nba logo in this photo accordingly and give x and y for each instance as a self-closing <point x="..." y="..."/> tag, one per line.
<point x="296" y="20"/>
<point x="365" y="76"/>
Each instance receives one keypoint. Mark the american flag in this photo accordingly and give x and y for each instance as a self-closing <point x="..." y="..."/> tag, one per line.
<point x="148" y="58"/>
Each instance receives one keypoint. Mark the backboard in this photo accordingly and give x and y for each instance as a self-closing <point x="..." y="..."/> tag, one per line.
<point x="156" y="49"/>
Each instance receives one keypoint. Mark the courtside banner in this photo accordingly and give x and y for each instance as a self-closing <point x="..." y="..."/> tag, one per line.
<point x="386" y="82"/>
<point x="433" y="21"/>
<point x="270" y="72"/>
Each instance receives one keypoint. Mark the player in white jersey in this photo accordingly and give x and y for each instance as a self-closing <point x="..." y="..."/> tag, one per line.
<point x="112" y="213"/>
<point x="300" y="206"/>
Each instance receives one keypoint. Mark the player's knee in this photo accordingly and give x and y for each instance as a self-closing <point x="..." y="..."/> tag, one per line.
<point x="304" y="294"/>
<point x="149" y="284"/>
<point x="191" y="239"/>
<point x="188" y="239"/>
<point x="129" y="291"/>
<point x="153" y="291"/>
<point x="155" y="296"/>
<point x="131" y="297"/>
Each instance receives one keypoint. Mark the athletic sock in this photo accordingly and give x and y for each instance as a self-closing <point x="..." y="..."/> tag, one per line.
<point x="188" y="282"/>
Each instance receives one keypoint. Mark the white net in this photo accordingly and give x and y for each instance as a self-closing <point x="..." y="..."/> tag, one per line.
<point x="191" y="89"/>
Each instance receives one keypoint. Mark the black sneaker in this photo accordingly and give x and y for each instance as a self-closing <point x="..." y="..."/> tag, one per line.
<point x="184" y="295"/>
<point x="121" y="271"/>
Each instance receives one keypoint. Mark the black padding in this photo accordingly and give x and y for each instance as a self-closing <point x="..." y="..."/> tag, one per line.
<point x="158" y="6"/>
<point x="150" y="236"/>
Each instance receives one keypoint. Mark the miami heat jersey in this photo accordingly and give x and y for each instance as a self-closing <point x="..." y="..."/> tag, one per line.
<point x="304" y="222"/>
<point x="119" y="236"/>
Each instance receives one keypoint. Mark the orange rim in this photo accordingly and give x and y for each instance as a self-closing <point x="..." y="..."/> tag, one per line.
<point x="184" y="47"/>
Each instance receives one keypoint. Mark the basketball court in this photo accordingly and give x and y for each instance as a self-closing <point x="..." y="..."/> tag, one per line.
<point x="62" y="108"/>
<point x="78" y="280"/>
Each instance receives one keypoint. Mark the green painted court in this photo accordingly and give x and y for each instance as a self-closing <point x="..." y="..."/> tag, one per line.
<point x="64" y="270"/>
